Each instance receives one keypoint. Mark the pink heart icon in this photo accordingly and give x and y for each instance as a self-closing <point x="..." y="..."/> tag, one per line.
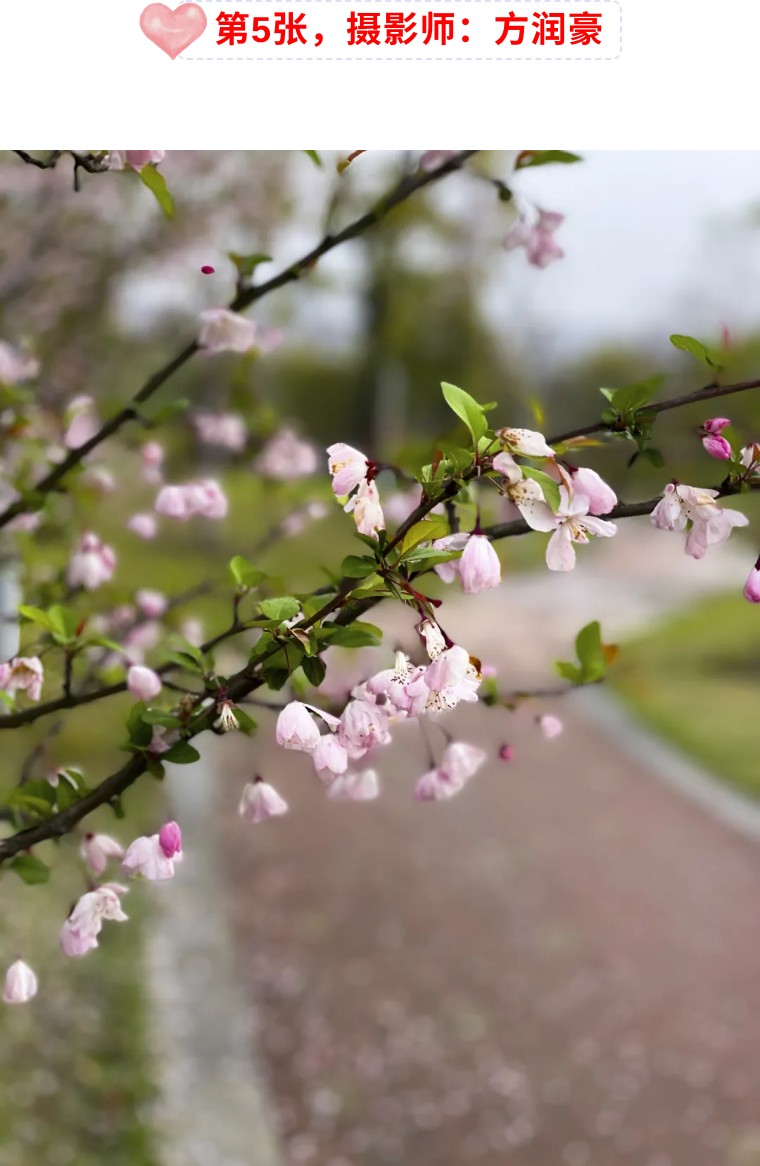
<point x="173" y="31"/>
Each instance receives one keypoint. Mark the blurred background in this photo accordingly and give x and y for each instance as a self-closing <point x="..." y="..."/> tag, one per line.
<point x="554" y="968"/>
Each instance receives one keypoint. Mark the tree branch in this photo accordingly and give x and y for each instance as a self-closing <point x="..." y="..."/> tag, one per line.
<point x="409" y="185"/>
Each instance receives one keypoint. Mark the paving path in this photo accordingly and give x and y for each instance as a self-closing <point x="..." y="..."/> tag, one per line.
<point x="558" y="968"/>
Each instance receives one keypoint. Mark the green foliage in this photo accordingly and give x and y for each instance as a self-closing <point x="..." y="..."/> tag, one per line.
<point x="29" y="869"/>
<point x="156" y="184"/>
<point x="593" y="657"/>
<point x="467" y="409"/>
<point x="530" y="158"/>
<point x="182" y="753"/>
<point x="356" y="635"/>
<point x="245" y="265"/>
<point x="314" y="670"/>
<point x="358" y="567"/>
<point x="549" y="487"/>
<point x="244" y="574"/>
<point x="281" y="608"/>
<point x="696" y="348"/>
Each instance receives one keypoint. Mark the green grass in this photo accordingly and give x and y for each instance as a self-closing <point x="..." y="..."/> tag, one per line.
<point x="695" y="680"/>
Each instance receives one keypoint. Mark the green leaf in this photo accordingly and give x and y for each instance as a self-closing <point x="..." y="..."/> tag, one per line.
<point x="190" y="659"/>
<point x="544" y="158"/>
<point x="158" y="717"/>
<point x="183" y="753"/>
<point x="277" y="678"/>
<point x="247" y="264"/>
<point x="630" y="398"/>
<point x="653" y="456"/>
<point x="426" y="557"/>
<point x="467" y="409"/>
<point x="695" y="347"/>
<point x="314" y="670"/>
<point x="38" y="616"/>
<point x="156" y="184"/>
<point x="30" y="869"/>
<point x="244" y="574"/>
<point x="283" y="607"/>
<point x="140" y="733"/>
<point x="428" y="530"/>
<point x="588" y="645"/>
<point x="314" y="155"/>
<point x="246" y="723"/>
<point x="549" y="487"/>
<point x="358" y="567"/>
<point x="568" y="671"/>
<point x="356" y="635"/>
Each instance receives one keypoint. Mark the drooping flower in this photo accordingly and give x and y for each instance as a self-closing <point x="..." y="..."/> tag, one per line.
<point x="20" y="983"/>
<point x="143" y="683"/>
<point x="286" y="456"/>
<point x="147" y="857"/>
<point x="435" y="641"/>
<point x="362" y="726"/>
<point x="96" y="849"/>
<point x="80" y="932"/>
<point x="260" y="801"/>
<point x="366" y="508"/>
<point x="22" y="674"/>
<point x="226" y="721"/>
<point x="355" y="787"/>
<point x="525" y="442"/>
<point x="347" y="466"/>
<point x="92" y="564"/>
<point x="550" y="726"/>
<point x="752" y="586"/>
<point x="224" y="331"/>
<point x="479" y="566"/>
<point x="205" y="498"/>
<point x="436" y="785"/>
<point x="151" y="603"/>
<point x="461" y="760"/>
<point x="710" y="524"/>
<point x="296" y="729"/>
<point x="330" y="756"/>
<point x="449" y="571"/>
<point x="451" y="677"/>
<point x="538" y="239"/>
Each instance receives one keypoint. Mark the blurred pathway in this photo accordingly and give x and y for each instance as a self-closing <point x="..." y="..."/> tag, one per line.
<point x="557" y="968"/>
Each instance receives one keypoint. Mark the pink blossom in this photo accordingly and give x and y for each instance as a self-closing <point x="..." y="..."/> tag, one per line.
<point x="715" y="425"/>
<point x="192" y="630"/>
<point x="550" y="726"/>
<point x="398" y="506"/>
<point x="81" y="421"/>
<point x="286" y="456"/>
<point x="80" y="932"/>
<point x="506" y="753"/>
<point x="143" y="683"/>
<point x="750" y="456"/>
<point x="118" y="159"/>
<point x="506" y="465"/>
<point x="20" y="983"/>
<point x="141" y="639"/>
<point x="402" y="687"/>
<point x="367" y="511"/>
<point x="710" y="524"/>
<point x="22" y="674"/>
<point x="143" y="525"/>
<point x="538" y="239"/>
<point x="296" y="729"/>
<point x="224" y="331"/>
<point x="294" y="523"/>
<point x="162" y="740"/>
<point x="355" y="787"/>
<point x="435" y="641"/>
<point x="449" y="571"/>
<point x="151" y="603"/>
<point x="170" y="840"/>
<point x="588" y="484"/>
<point x="260" y="801"/>
<point x="461" y="760"/>
<point x="571" y="524"/>
<point x="227" y="430"/>
<point x="525" y="442"/>
<point x="436" y="785"/>
<point x="92" y="564"/>
<point x="16" y="367"/>
<point x="479" y="566"/>
<point x="717" y="447"/>
<point x="752" y="586"/>
<point x="451" y="678"/>
<point x="205" y="498"/>
<point x="152" y="457"/>
<point x="362" y="726"/>
<point x="96" y="849"/>
<point x="145" y="856"/>
<point x="347" y="466"/>
<point x="329" y="755"/>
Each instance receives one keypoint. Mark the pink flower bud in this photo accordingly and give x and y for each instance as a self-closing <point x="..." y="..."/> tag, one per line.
<point x="170" y="839"/>
<point x="151" y="603"/>
<point x="479" y="566"/>
<point x="20" y="983"/>
<point x="715" y="425"/>
<point x="96" y="849"/>
<point x="143" y="683"/>
<point x="752" y="586"/>
<point x="717" y="447"/>
<point x="506" y="753"/>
